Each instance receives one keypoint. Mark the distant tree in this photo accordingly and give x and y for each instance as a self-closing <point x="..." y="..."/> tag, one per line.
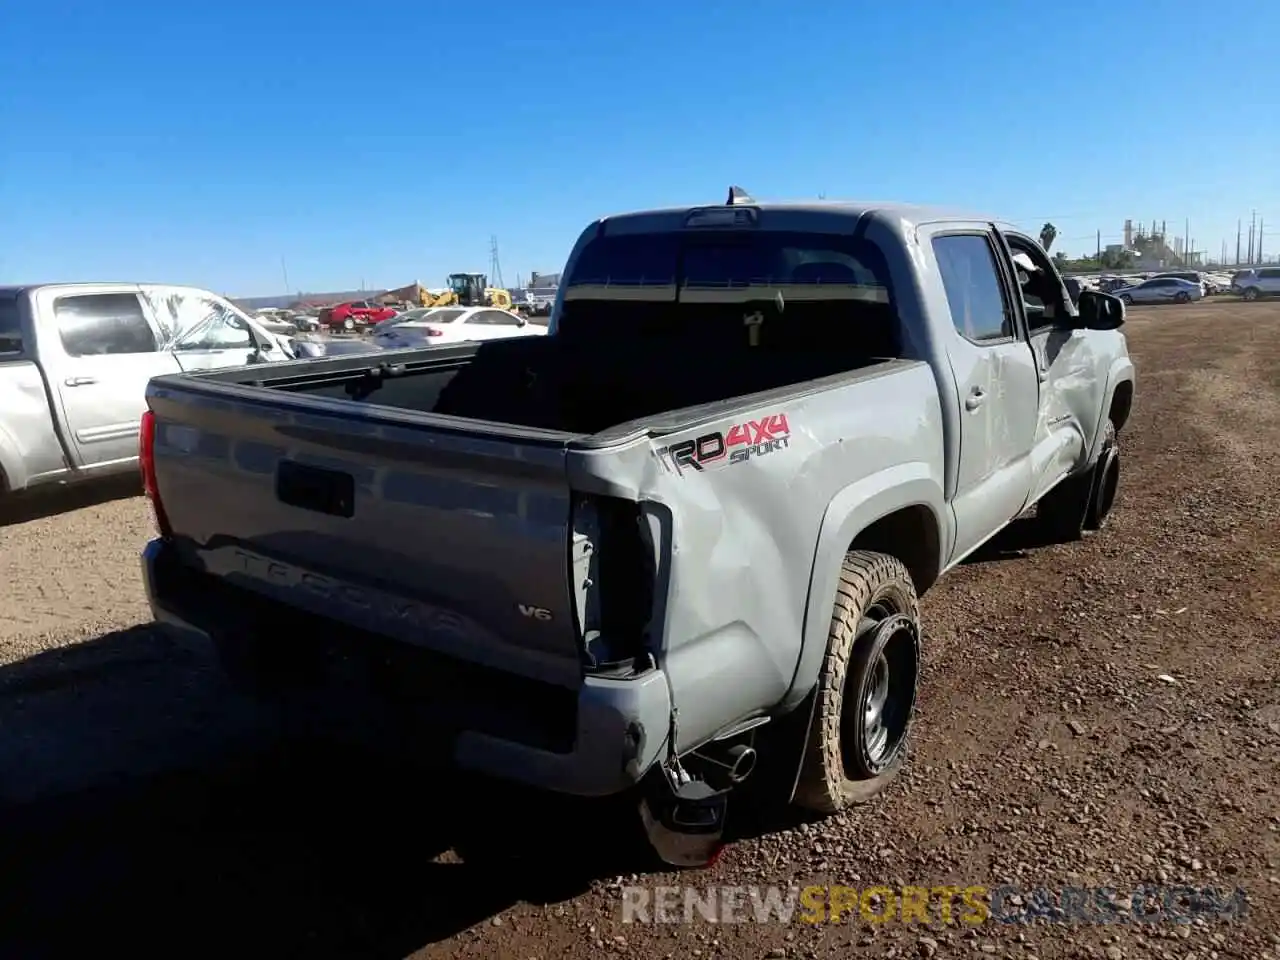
<point x="1048" y="233"/>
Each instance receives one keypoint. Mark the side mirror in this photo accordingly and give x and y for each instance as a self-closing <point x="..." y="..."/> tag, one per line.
<point x="1100" y="311"/>
<point x="521" y="321"/>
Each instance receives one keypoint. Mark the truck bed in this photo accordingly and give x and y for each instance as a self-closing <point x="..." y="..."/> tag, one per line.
<point x="461" y="500"/>
<point x="549" y="384"/>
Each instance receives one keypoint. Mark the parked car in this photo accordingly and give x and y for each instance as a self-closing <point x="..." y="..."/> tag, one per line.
<point x="684" y="531"/>
<point x="1191" y="276"/>
<point x="1257" y="282"/>
<point x="356" y="314"/>
<point x="75" y="359"/>
<point x="433" y="326"/>
<point x="1161" y="290"/>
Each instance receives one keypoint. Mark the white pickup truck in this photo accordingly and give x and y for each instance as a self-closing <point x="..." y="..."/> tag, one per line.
<point x="75" y="360"/>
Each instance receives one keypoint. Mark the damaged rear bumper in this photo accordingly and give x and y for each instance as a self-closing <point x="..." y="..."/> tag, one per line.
<point x="596" y="740"/>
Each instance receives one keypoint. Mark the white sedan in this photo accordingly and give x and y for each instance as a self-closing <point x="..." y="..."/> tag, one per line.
<point x="431" y="326"/>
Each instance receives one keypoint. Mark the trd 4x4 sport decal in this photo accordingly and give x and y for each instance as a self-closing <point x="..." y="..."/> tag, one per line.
<point x="741" y="443"/>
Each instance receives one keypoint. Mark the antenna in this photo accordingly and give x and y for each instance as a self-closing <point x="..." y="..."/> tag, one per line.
<point x="495" y="267"/>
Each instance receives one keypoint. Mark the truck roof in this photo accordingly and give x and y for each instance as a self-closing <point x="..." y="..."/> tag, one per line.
<point x="670" y="217"/>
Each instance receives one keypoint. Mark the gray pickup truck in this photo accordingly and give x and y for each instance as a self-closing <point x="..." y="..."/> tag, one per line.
<point x="75" y="359"/>
<point x="684" y="531"/>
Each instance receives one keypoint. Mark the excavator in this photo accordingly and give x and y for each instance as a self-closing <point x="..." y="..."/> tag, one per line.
<point x="468" y="290"/>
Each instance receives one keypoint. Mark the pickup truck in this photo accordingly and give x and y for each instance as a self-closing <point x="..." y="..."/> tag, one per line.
<point x="74" y="364"/>
<point x="683" y="532"/>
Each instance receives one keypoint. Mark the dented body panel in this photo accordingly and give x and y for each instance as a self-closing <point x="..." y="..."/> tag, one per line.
<point x="717" y="529"/>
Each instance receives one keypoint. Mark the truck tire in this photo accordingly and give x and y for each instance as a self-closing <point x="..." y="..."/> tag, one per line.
<point x="1106" y="480"/>
<point x="1083" y="501"/>
<point x="866" y="691"/>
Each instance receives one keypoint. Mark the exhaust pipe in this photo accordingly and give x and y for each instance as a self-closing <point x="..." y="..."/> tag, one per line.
<point x="734" y="763"/>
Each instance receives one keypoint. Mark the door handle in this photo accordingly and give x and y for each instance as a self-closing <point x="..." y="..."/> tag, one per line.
<point x="975" y="398"/>
<point x="79" y="381"/>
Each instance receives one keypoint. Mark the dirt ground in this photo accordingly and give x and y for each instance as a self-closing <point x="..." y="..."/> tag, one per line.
<point x="1104" y="713"/>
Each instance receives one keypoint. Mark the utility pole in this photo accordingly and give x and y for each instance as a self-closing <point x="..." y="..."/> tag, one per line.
<point x="284" y="270"/>
<point x="1253" y="225"/>
<point x="1260" y="260"/>
<point x="1186" y="243"/>
<point x="1099" y="253"/>
<point x="495" y="267"/>
<point x="1237" y="242"/>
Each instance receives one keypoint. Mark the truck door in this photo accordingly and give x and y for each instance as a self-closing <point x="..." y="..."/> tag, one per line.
<point x="110" y="349"/>
<point x="1066" y="365"/>
<point x="997" y="387"/>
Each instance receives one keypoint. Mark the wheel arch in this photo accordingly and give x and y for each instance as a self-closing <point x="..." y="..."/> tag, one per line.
<point x="899" y="511"/>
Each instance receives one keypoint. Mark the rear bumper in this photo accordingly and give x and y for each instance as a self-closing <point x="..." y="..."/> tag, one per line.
<point x="597" y="740"/>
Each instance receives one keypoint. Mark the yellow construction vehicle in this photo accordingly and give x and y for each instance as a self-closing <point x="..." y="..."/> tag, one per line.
<point x="468" y="290"/>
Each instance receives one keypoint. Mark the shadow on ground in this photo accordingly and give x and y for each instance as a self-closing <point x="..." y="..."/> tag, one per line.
<point x="49" y="501"/>
<point x="1014" y="542"/>
<point x="143" y="807"/>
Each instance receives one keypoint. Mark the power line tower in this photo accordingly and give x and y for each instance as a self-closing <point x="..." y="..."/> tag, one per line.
<point x="495" y="267"/>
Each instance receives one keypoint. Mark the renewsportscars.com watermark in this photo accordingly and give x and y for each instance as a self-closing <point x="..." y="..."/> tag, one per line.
<point x="928" y="905"/>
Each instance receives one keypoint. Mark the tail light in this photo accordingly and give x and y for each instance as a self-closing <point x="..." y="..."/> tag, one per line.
<point x="147" y="461"/>
<point x="433" y="332"/>
<point x="612" y="568"/>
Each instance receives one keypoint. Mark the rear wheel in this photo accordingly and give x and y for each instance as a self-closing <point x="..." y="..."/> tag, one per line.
<point x="1127" y="300"/>
<point x="867" y="686"/>
<point x="1182" y="297"/>
<point x="1251" y="294"/>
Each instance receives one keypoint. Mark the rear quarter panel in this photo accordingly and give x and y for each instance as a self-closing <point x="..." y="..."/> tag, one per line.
<point x="755" y="537"/>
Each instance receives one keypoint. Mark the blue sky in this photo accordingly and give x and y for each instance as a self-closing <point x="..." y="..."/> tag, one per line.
<point x="204" y="143"/>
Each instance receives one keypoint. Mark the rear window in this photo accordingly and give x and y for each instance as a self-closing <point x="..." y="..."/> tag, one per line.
<point x="10" y="326"/>
<point x="727" y="267"/>
<point x="713" y="291"/>
<point x="441" y="316"/>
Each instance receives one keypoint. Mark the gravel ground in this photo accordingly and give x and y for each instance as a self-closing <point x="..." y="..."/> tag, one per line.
<point x="1099" y="714"/>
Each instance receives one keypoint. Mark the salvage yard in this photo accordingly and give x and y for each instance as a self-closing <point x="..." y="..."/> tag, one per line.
<point x="1100" y="714"/>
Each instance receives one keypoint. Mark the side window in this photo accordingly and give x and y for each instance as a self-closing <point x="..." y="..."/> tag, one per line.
<point x="1271" y="274"/>
<point x="101" y="324"/>
<point x="493" y="318"/>
<point x="1042" y="289"/>
<point x="10" y="326"/>
<point x="979" y="309"/>
<point x="212" y="326"/>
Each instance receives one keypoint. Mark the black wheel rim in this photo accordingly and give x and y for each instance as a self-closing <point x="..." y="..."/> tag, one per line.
<point x="874" y="723"/>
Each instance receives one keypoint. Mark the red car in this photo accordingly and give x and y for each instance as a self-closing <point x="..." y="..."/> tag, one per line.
<point x="358" y="313"/>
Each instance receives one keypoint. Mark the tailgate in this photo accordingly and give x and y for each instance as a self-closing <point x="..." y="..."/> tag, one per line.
<point x="453" y="540"/>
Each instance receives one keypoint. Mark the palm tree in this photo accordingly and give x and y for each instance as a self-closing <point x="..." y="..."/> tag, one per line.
<point x="1048" y="233"/>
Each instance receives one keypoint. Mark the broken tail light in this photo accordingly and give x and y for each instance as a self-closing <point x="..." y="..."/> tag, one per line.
<point x="612" y="570"/>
